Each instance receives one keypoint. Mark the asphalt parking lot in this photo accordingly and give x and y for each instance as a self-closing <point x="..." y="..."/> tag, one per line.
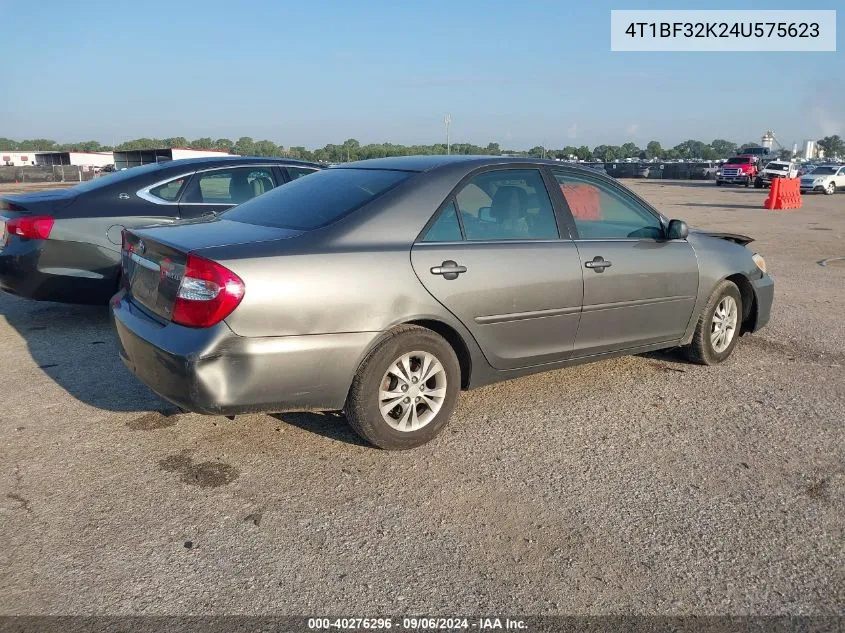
<point x="638" y="485"/>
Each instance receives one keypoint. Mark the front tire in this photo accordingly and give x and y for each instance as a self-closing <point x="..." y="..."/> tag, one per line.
<point x="748" y="181"/>
<point x="830" y="189"/>
<point x="758" y="183"/>
<point x="406" y="389"/>
<point x="717" y="330"/>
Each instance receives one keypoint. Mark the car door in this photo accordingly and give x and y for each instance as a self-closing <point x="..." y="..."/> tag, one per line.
<point x="494" y="258"/>
<point x="840" y="178"/>
<point x="216" y="190"/>
<point x="639" y="288"/>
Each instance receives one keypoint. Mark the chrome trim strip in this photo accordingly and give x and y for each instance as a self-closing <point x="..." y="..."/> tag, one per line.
<point x="522" y="316"/>
<point x="145" y="194"/>
<point x="634" y="303"/>
<point x="145" y="263"/>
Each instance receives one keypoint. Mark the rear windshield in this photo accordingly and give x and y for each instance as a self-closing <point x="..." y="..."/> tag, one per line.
<point x="116" y="177"/>
<point x="318" y="200"/>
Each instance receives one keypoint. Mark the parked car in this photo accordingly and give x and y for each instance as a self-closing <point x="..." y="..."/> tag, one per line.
<point x="826" y="178"/>
<point x="64" y="245"/>
<point x="775" y="169"/>
<point x="384" y="287"/>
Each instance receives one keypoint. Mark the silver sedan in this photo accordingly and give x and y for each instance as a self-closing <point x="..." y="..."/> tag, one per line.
<point x="383" y="288"/>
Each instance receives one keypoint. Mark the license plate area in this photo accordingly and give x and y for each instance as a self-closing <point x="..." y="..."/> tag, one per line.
<point x="144" y="276"/>
<point x="154" y="273"/>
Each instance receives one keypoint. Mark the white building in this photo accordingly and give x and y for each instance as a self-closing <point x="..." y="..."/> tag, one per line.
<point x="17" y="159"/>
<point x="810" y="149"/>
<point x="137" y="157"/>
<point x="42" y="158"/>
<point x="82" y="159"/>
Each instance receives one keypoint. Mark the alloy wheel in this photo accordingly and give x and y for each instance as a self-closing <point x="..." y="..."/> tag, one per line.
<point x="723" y="326"/>
<point x="412" y="391"/>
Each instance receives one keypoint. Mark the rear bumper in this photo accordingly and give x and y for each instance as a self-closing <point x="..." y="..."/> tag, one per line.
<point x="214" y="371"/>
<point x="35" y="269"/>
<point x="764" y="296"/>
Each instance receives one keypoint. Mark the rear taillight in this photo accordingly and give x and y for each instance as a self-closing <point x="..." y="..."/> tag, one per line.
<point x="208" y="293"/>
<point x="36" y="227"/>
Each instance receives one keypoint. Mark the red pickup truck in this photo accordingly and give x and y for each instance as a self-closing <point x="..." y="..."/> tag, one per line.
<point x="739" y="170"/>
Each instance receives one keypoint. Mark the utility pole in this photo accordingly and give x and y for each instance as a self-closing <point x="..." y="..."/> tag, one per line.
<point x="448" y="121"/>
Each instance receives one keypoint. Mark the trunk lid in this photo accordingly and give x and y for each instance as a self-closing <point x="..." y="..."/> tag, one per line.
<point x="154" y="258"/>
<point x="38" y="203"/>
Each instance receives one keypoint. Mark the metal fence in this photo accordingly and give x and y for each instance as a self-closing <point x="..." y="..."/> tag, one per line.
<point x="47" y="173"/>
<point x="673" y="171"/>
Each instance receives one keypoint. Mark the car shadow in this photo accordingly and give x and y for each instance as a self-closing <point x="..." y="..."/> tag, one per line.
<point x="330" y="424"/>
<point x="721" y="206"/>
<point x="77" y="348"/>
<point x="702" y="183"/>
<point x="673" y="358"/>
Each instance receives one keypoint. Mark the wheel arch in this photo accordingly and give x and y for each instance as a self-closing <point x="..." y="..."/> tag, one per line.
<point x="455" y="340"/>
<point x="749" y="301"/>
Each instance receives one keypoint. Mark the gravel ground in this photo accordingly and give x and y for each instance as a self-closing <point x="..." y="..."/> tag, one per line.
<point x="638" y="485"/>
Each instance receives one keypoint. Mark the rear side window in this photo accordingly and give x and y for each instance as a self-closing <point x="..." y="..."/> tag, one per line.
<point x="319" y="200"/>
<point x="299" y="172"/>
<point x="230" y="186"/>
<point x="446" y="227"/>
<point x="507" y="204"/>
<point x="169" y="191"/>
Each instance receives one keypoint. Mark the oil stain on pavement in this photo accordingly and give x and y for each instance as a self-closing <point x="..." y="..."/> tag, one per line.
<point x="204" y="475"/>
<point x="153" y="420"/>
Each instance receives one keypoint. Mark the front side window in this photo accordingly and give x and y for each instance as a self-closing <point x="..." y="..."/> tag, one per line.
<point x="602" y="212"/>
<point x="169" y="191"/>
<point x="507" y="204"/>
<point x="230" y="186"/>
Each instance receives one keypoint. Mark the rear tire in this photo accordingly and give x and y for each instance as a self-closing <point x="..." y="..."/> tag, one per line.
<point x="717" y="330"/>
<point x="407" y="360"/>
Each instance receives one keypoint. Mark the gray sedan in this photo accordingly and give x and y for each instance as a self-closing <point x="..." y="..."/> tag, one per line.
<point x="384" y="287"/>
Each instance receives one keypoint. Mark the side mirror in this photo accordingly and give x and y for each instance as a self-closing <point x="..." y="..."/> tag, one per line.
<point x="678" y="230"/>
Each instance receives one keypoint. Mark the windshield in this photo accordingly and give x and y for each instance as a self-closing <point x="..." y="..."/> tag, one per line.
<point x="738" y="160"/>
<point x="115" y="177"/>
<point x="777" y="166"/>
<point x="824" y="171"/>
<point x="318" y="200"/>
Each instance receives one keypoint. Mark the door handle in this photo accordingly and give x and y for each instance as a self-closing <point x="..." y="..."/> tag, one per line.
<point x="449" y="269"/>
<point x="598" y="263"/>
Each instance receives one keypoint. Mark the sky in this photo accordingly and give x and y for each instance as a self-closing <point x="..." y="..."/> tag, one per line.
<point x="527" y="73"/>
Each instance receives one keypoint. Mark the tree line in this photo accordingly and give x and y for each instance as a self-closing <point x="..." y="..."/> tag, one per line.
<point x="351" y="149"/>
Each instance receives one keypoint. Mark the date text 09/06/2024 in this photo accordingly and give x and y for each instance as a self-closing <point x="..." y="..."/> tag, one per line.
<point x="417" y="623"/>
